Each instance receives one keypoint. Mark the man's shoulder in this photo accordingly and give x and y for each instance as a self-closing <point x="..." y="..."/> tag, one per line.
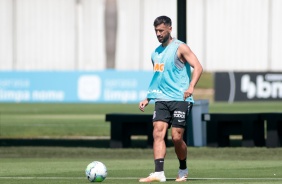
<point x="182" y="46"/>
<point x="179" y="42"/>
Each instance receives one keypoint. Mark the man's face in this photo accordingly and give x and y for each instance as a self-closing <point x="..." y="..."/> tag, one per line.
<point x="163" y="32"/>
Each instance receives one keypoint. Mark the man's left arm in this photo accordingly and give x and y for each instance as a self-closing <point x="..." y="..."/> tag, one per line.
<point x="187" y="55"/>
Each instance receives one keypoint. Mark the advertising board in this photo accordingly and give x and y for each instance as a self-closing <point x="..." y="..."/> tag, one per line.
<point x="248" y="86"/>
<point x="74" y="87"/>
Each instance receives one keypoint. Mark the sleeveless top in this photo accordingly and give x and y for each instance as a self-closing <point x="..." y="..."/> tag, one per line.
<point x="171" y="76"/>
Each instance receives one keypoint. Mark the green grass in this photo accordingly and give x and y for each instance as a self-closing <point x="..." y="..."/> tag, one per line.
<point x="73" y="120"/>
<point x="33" y="165"/>
<point x="206" y="81"/>
<point x="59" y="120"/>
<point x="206" y="165"/>
<point x="66" y="165"/>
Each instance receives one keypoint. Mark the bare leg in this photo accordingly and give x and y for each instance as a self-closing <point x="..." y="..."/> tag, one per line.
<point x="159" y="146"/>
<point x="180" y="146"/>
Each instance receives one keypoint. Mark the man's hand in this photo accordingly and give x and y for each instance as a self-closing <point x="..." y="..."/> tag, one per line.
<point x="188" y="93"/>
<point x="143" y="104"/>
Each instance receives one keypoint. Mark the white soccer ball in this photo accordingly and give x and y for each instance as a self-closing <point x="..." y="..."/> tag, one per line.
<point x="96" y="171"/>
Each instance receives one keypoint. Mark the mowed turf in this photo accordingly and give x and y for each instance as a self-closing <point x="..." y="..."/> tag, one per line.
<point x="30" y="165"/>
<point x="77" y="120"/>
<point x="33" y="165"/>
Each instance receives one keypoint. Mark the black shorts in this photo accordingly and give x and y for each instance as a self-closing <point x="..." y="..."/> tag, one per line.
<point x="175" y="113"/>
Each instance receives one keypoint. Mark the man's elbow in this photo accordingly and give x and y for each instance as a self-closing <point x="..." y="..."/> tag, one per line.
<point x="199" y="68"/>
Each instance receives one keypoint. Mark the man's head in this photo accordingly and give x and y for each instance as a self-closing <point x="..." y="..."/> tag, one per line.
<point x="163" y="28"/>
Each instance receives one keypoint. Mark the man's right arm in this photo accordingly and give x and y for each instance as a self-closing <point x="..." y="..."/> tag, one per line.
<point x="143" y="104"/>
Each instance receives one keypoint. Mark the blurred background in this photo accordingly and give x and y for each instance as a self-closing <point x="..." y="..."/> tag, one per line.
<point x="226" y="35"/>
<point x="103" y="47"/>
<point x="67" y="63"/>
<point x="97" y="35"/>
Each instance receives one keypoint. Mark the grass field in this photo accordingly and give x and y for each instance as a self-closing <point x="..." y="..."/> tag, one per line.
<point x="54" y="165"/>
<point x="77" y="120"/>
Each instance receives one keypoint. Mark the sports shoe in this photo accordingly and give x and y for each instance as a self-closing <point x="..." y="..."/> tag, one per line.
<point x="154" y="177"/>
<point x="182" y="175"/>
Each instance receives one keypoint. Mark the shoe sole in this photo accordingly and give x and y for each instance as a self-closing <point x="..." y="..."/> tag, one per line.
<point x="151" y="181"/>
<point x="181" y="180"/>
<point x="148" y="181"/>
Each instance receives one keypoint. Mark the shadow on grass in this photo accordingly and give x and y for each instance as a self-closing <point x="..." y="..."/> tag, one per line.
<point x="97" y="143"/>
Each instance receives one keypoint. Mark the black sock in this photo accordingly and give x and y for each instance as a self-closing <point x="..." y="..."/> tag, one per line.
<point x="182" y="164"/>
<point x="159" y="165"/>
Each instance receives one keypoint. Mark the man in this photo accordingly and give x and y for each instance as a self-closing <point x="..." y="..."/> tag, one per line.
<point x="171" y="88"/>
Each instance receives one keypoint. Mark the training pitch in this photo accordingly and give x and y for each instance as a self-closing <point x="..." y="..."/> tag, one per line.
<point x="30" y="165"/>
<point x="59" y="165"/>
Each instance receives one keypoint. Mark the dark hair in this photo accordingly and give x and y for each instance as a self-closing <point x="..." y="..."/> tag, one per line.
<point x="162" y="20"/>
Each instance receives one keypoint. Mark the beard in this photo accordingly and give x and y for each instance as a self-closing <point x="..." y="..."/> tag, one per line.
<point x="164" y="39"/>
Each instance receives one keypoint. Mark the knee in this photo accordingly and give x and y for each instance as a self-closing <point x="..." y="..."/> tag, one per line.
<point x="176" y="139"/>
<point x="157" y="135"/>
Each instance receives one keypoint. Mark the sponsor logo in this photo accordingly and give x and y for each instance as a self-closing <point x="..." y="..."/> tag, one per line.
<point x="89" y="87"/>
<point x="158" y="67"/>
<point x="155" y="91"/>
<point x="268" y="86"/>
<point x="179" y="114"/>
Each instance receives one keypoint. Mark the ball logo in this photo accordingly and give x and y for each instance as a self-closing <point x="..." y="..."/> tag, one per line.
<point x="89" y="87"/>
<point x="261" y="88"/>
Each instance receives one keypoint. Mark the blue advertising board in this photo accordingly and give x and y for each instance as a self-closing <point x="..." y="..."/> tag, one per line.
<point x="74" y="87"/>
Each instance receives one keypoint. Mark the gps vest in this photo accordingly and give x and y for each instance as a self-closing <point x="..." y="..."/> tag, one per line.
<point x="171" y="77"/>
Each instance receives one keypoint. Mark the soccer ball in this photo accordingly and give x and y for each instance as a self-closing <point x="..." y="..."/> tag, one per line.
<point x="96" y="171"/>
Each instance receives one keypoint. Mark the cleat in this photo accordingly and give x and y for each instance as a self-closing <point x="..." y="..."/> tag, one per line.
<point x="154" y="177"/>
<point x="182" y="175"/>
